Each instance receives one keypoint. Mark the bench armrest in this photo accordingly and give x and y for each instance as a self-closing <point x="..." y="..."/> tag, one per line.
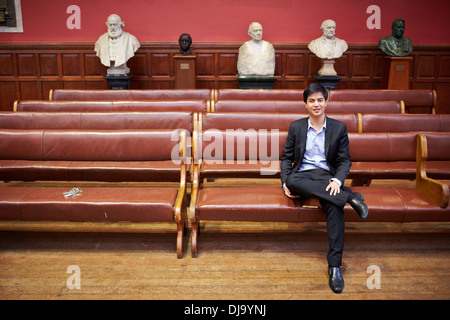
<point x="434" y="190"/>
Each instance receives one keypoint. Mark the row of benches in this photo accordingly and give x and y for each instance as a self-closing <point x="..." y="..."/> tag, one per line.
<point x="361" y="123"/>
<point x="418" y="98"/>
<point x="267" y="106"/>
<point x="127" y="152"/>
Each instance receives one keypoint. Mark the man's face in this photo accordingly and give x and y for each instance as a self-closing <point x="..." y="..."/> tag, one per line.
<point x="316" y="104"/>
<point x="329" y="29"/>
<point x="398" y="29"/>
<point x="256" y="32"/>
<point x="114" y="27"/>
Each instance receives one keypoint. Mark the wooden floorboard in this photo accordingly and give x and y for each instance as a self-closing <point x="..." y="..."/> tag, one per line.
<point x="235" y="261"/>
<point x="289" y="265"/>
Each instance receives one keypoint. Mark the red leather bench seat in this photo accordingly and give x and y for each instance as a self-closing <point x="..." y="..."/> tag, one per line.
<point x="383" y="155"/>
<point x="96" y="120"/>
<point x="263" y="120"/>
<point x="259" y="94"/>
<point x="133" y="94"/>
<point x="405" y="122"/>
<point x="106" y="155"/>
<point x="393" y="155"/>
<point x="112" y="106"/>
<point x="269" y="204"/>
<point x="133" y="204"/>
<point x="420" y="99"/>
<point x="297" y="106"/>
<point x="438" y="159"/>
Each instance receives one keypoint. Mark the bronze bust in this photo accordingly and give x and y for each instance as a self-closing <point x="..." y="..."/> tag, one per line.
<point x="395" y="44"/>
<point x="185" y="42"/>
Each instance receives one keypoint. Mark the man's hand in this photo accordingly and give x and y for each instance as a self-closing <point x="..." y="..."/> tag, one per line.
<point x="334" y="188"/>
<point x="288" y="193"/>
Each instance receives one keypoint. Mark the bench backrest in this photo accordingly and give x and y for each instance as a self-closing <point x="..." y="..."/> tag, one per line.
<point x="412" y="97"/>
<point x="405" y="122"/>
<point x="133" y="94"/>
<point x="233" y="145"/>
<point x="113" y="106"/>
<point x="94" y="120"/>
<point x="89" y="145"/>
<point x="249" y="120"/>
<point x="383" y="147"/>
<point x="438" y="146"/>
<point x="286" y="106"/>
<point x="259" y="94"/>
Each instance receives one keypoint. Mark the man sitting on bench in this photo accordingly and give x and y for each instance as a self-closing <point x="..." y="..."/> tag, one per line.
<point x="315" y="163"/>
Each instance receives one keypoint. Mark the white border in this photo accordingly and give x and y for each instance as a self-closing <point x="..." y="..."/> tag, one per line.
<point x="19" y="24"/>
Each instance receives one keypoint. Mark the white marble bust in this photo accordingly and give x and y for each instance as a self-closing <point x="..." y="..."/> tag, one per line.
<point x="116" y="47"/>
<point x="256" y="57"/>
<point x="328" y="46"/>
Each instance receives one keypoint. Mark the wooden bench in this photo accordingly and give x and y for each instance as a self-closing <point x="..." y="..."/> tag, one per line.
<point x="422" y="100"/>
<point x="404" y="122"/>
<point x="93" y="155"/>
<point x="396" y="158"/>
<point x="97" y="120"/>
<point x="257" y="94"/>
<point x="263" y="203"/>
<point x="297" y="106"/>
<point x="130" y="94"/>
<point x="112" y="106"/>
<point x="416" y="100"/>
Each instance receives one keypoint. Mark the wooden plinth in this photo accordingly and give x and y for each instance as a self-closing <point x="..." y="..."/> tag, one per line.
<point x="397" y="73"/>
<point x="184" y="71"/>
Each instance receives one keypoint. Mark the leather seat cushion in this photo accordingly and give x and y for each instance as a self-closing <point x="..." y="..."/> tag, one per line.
<point x="135" y="204"/>
<point x="25" y="170"/>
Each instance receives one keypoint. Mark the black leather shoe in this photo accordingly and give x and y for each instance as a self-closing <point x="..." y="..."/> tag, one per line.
<point x="358" y="196"/>
<point x="360" y="207"/>
<point x="336" y="281"/>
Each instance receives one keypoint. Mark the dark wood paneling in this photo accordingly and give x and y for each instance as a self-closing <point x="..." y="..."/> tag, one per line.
<point x="30" y="70"/>
<point x="48" y="63"/>
<point x="6" y="64"/>
<point x="71" y="65"/>
<point x="27" y="64"/>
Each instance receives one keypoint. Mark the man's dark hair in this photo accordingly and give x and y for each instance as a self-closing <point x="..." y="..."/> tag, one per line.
<point x="313" y="88"/>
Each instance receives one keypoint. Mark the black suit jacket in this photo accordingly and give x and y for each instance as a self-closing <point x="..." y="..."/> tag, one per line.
<point x="337" y="150"/>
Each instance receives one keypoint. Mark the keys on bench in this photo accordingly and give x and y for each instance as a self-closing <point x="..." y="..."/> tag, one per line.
<point x="75" y="192"/>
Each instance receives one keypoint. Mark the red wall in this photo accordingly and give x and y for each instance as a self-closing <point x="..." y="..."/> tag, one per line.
<point x="228" y="20"/>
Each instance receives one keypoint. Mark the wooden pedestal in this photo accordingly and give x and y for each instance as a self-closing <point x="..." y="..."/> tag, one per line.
<point x="397" y="73"/>
<point x="184" y="72"/>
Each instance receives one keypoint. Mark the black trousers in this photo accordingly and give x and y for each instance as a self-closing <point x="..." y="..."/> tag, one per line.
<point x="312" y="183"/>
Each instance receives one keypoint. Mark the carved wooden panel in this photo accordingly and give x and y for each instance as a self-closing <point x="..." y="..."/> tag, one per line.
<point x="444" y="67"/>
<point x="426" y="65"/>
<point x="228" y="64"/>
<point x="93" y="66"/>
<point x="205" y="64"/>
<point x="26" y="64"/>
<point x="6" y="64"/>
<point x="71" y="65"/>
<point x="160" y="64"/>
<point x="48" y="63"/>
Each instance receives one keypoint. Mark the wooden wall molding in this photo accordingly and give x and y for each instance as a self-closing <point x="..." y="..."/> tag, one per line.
<point x="30" y="70"/>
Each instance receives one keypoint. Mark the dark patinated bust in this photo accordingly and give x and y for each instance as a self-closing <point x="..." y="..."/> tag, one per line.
<point x="395" y="44"/>
<point x="185" y="42"/>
